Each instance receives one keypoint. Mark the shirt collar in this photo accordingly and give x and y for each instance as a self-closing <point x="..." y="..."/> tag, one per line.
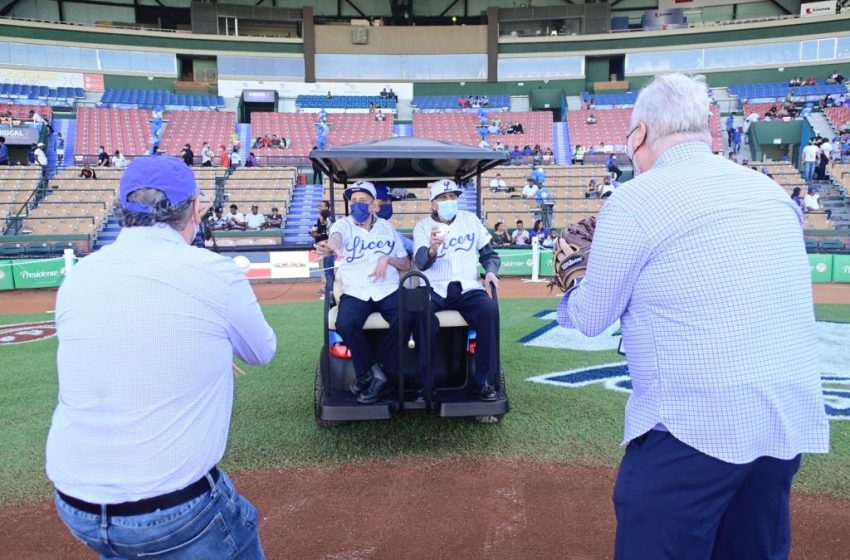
<point x="161" y="232"/>
<point x="682" y="152"/>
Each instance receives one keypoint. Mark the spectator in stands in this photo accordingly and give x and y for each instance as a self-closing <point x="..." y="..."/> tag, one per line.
<point x="206" y="155"/>
<point x="60" y="148"/>
<point x="810" y="81"/>
<point x="810" y="202"/>
<point x="119" y="161"/>
<point x="235" y="220"/>
<point x="330" y="95"/>
<point x="591" y="119"/>
<point x="275" y="141"/>
<point x="87" y="172"/>
<point x="607" y="187"/>
<point x="258" y="143"/>
<point x="795" y="196"/>
<point x="31" y="155"/>
<point x="463" y="102"/>
<point x="730" y="127"/>
<point x="530" y="189"/>
<point x="224" y="157"/>
<point x="380" y="116"/>
<point x="39" y="121"/>
<point x="578" y="155"/>
<point x="737" y="135"/>
<point x="611" y="165"/>
<point x="548" y="156"/>
<point x="102" y="157"/>
<point x="795" y="81"/>
<point x="549" y="241"/>
<point x="274" y="220"/>
<point x="235" y="142"/>
<point x="323" y="115"/>
<point x="835" y="78"/>
<point x="255" y="220"/>
<point x="499" y="147"/>
<point x="188" y="155"/>
<point x="251" y="161"/>
<point x="591" y="104"/>
<point x="538" y="231"/>
<point x="217" y="221"/>
<point x="520" y="236"/>
<point x="235" y="160"/>
<point x="5" y="159"/>
<point x="484" y="101"/>
<point x="41" y="158"/>
<point x="500" y="236"/>
<point x="518" y="128"/>
<point x="497" y="184"/>
<point x="592" y="189"/>
<point x="516" y="156"/>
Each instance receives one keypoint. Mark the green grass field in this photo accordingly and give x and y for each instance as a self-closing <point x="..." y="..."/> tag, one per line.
<point x="273" y="417"/>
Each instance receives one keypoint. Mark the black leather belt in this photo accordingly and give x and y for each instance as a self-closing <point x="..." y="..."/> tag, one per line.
<point x="148" y="505"/>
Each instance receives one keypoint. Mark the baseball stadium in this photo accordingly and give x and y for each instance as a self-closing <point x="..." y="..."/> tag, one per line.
<point x="425" y="279"/>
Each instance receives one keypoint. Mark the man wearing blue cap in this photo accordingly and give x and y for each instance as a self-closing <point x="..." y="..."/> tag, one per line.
<point x="372" y="257"/>
<point x="385" y="211"/>
<point x="147" y="329"/>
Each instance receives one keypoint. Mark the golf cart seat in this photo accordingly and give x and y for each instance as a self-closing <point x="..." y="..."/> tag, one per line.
<point x="376" y="322"/>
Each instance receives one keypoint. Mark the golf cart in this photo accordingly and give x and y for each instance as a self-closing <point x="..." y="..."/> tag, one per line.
<point x="411" y="163"/>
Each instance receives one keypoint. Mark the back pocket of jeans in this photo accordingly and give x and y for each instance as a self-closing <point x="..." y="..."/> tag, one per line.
<point x="214" y="541"/>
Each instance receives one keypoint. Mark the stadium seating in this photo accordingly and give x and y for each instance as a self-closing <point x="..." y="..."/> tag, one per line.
<point x="837" y="116"/>
<point x="148" y="98"/>
<point x="450" y="102"/>
<point x="300" y="130"/>
<point x="778" y="90"/>
<point x="16" y="186"/>
<point x="343" y="102"/>
<point x="22" y="112"/>
<point x="265" y="187"/>
<point x="195" y="128"/>
<point x="611" y="99"/>
<point x="30" y="91"/>
<point x="127" y="130"/>
<point x="463" y="128"/>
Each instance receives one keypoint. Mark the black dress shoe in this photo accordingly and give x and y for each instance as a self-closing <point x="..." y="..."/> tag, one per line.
<point x="360" y="384"/>
<point x="372" y="392"/>
<point x="487" y="393"/>
<point x="420" y="395"/>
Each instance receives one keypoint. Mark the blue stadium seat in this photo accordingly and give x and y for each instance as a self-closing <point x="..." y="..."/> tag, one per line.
<point x="79" y="92"/>
<point x="43" y="92"/>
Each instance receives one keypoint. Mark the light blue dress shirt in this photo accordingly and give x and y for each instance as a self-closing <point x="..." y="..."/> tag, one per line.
<point x="147" y="329"/>
<point x="703" y="262"/>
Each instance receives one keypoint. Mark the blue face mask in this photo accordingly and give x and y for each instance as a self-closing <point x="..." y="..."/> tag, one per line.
<point x="447" y="209"/>
<point x="385" y="211"/>
<point x="360" y="212"/>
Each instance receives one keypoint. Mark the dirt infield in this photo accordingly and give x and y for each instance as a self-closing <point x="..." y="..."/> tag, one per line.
<point x="425" y="508"/>
<point x="40" y="301"/>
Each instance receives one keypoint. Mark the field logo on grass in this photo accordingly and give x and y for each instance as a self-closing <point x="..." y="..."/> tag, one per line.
<point x="26" y="332"/>
<point x="832" y="350"/>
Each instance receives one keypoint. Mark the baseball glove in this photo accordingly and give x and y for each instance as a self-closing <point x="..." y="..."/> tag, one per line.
<point x="571" y="253"/>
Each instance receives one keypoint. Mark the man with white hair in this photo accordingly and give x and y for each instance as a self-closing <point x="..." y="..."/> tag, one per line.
<point x="724" y="368"/>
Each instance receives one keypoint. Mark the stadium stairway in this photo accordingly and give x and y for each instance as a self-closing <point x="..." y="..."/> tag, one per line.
<point x="301" y="214"/>
<point x="821" y="125"/>
<point x="468" y="198"/>
<point x="50" y="152"/>
<point x="108" y="232"/>
<point x="68" y="128"/>
<point x="244" y="132"/>
<point x="403" y="129"/>
<point x="563" y="146"/>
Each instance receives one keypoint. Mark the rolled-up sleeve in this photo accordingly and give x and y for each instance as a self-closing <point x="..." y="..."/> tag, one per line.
<point x="252" y="338"/>
<point x="619" y="252"/>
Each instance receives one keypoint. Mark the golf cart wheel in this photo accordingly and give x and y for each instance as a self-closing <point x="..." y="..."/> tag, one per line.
<point x="317" y="401"/>
<point x="494" y="419"/>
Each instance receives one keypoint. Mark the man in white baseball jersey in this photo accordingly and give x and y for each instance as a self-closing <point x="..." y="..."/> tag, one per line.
<point x="445" y="244"/>
<point x="372" y="257"/>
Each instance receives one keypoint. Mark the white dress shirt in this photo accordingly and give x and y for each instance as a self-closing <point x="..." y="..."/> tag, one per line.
<point x="361" y="251"/>
<point x="715" y="307"/>
<point x="147" y="329"/>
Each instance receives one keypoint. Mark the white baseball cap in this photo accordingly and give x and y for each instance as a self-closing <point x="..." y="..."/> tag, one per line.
<point x="360" y="186"/>
<point x="444" y="186"/>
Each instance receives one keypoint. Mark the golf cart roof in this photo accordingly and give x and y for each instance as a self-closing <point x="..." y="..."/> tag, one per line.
<point x="405" y="157"/>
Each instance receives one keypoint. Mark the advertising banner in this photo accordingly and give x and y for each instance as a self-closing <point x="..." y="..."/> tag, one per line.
<point x="41" y="77"/>
<point x="821" y="266"/>
<point x="813" y="9"/>
<point x="20" y="135"/>
<point x="841" y="268"/>
<point x="44" y="273"/>
<point x="93" y="82"/>
<point x="6" y="281"/>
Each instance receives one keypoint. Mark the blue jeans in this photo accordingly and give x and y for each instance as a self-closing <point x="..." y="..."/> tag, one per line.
<point x="808" y="170"/>
<point x="218" y="524"/>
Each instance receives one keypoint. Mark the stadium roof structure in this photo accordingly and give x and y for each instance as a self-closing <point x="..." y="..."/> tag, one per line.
<point x="405" y="158"/>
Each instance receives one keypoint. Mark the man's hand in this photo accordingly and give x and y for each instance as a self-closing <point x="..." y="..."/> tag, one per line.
<point x="380" y="272"/>
<point x="491" y="279"/>
<point x="323" y="248"/>
<point x="435" y="242"/>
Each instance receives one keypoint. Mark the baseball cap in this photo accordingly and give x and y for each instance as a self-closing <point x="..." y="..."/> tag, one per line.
<point x="165" y="173"/>
<point x="444" y="186"/>
<point x="360" y="186"/>
<point x="40" y="144"/>
<point x="383" y="193"/>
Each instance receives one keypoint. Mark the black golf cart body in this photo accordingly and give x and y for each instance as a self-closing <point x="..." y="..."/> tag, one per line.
<point x="400" y="161"/>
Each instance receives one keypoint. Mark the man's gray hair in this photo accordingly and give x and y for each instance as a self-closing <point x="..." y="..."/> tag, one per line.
<point x="673" y="104"/>
<point x="162" y="212"/>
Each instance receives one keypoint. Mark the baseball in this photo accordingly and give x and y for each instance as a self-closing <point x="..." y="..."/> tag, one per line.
<point x="242" y="263"/>
<point x="444" y="231"/>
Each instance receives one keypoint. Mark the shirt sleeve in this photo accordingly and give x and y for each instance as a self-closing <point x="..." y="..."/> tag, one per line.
<point x="339" y="227"/>
<point x="619" y="252"/>
<point x="484" y="236"/>
<point x="400" y="247"/>
<point x="421" y="235"/>
<point x="252" y="338"/>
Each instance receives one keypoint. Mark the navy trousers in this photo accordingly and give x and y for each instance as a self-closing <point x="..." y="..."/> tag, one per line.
<point x="674" y="502"/>
<point x="350" y="319"/>
<point x="481" y="314"/>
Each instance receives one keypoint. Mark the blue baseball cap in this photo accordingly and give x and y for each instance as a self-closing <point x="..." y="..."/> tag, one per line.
<point x="168" y="174"/>
<point x="382" y="192"/>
